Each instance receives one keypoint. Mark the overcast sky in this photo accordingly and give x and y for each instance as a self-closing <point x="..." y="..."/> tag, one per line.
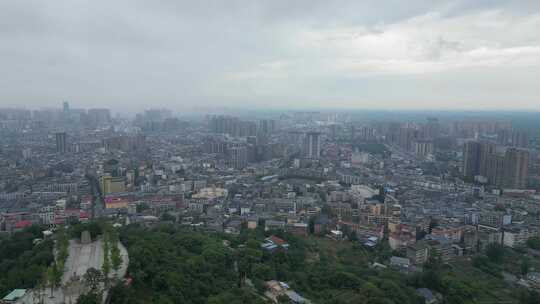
<point x="136" y="54"/>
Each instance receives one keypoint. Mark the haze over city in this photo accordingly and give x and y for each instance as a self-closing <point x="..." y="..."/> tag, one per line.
<point x="127" y="55"/>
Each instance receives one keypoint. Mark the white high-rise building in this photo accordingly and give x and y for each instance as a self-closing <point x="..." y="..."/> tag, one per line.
<point x="312" y="145"/>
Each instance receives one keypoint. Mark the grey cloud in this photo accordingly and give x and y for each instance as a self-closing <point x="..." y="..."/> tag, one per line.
<point x="175" y="53"/>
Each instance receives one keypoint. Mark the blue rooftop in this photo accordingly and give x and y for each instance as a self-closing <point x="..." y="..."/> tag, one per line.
<point x="15" y="294"/>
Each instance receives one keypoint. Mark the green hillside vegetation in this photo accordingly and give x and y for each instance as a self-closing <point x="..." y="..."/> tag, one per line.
<point x="173" y="265"/>
<point x="23" y="264"/>
<point x="178" y="266"/>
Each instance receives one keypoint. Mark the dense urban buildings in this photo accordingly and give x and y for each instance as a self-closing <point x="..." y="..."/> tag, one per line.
<point x="504" y="169"/>
<point x="424" y="189"/>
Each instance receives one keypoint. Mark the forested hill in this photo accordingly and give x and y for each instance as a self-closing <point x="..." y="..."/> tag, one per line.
<point x="175" y="265"/>
<point x="22" y="261"/>
<point x="182" y="266"/>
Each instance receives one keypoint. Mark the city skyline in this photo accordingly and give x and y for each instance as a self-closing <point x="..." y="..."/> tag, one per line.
<point x="311" y="54"/>
<point x="81" y="190"/>
<point x="270" y="152"/>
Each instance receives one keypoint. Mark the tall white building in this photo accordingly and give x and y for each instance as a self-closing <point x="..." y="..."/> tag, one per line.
<point x="423" y="148"/>
<point x="238" y="157"/>
<point x="312" y="145"/>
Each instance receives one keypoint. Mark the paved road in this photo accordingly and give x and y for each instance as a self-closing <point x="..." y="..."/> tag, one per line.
<point x="125" y="261"/>
<point x="81" y="257"/>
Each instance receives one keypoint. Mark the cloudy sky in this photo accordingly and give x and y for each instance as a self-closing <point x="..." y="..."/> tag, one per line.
<point x="393" y="54"/>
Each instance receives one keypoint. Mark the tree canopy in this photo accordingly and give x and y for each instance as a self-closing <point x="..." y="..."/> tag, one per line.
<point x="22" y="263"/>
<point x="183" y="266"/>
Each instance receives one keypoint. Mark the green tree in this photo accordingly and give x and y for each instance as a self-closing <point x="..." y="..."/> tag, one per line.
<point x="344" y="280"/>
<point x="457" y="292"/>
<point x="495" y="253"/>
<point x="371" y="293"/>
<point x="121" y="294"/>
<point x="434" y="261"/>
<point x="93" y="278"/>
<point x="23" y="263"/>
<point x="353" y="236"/>
<point x="53" y="278"/>
<point x="142" y="207"/>
<point x="89" y="298"/>
<point x="116" y="259"/>
<point x="184" y="266"/>
<point x="42" y="285"/>
<point x="106" y="268"/>
<point x="534" y="243"/>
<point x="168" y="217"/>
<point x="283" y="299"/>
<point x="524" y="266"/>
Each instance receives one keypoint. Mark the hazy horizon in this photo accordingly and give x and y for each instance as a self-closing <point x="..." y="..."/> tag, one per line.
<point x="362" y="55"/>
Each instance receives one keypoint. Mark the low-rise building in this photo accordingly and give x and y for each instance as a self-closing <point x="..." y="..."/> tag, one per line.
<point x="418" y="253"/>
<point x="518" y="235"/>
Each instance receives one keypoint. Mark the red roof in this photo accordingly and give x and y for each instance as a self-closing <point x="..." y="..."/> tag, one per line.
<point x="22" y="224"/>
<point x="127" y="281"/>
<point x="13" y="215"/>
<point x="71" y="212"/>
<point x="87" y="199"/>
<point x="59" y="220"/>
<point x="277" y="240"/>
